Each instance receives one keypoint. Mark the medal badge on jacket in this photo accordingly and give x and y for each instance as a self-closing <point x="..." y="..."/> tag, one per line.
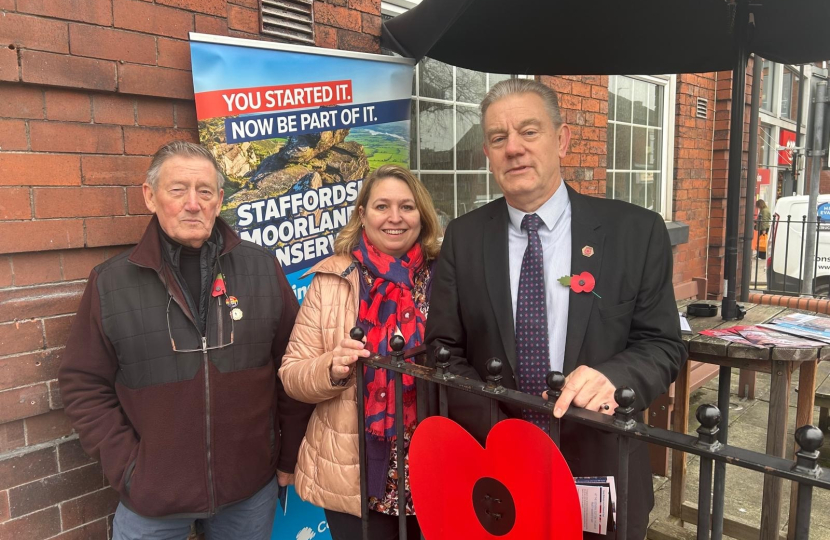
<point x="232" y="302"/>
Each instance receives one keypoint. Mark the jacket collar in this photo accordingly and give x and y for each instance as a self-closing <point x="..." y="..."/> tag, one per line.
<point x="585" y="231"/>
<point x="148" y="251"/>
<point x="336" y="264"/>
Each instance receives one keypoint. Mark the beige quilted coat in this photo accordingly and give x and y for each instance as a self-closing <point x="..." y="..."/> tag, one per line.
<point x="327" y="473"/>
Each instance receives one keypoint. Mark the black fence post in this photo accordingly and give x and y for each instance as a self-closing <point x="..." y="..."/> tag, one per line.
<point x="397" y="344"/>
<point x="555" y="381"/>
<point x="786" y="252"/>
<point x="442" y="366"/>
<point x="494" y="367"/>
<point x="357" y="334"/>
<point x="809" y="439"/>
<point x="623" y="418"/>
<point x="709" y="417"/>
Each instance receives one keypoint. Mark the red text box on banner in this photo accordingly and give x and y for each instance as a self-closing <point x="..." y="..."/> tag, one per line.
<point x="232" y="102"/>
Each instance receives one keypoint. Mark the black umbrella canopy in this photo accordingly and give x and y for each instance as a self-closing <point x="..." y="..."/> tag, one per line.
<point x="606" y="37"/>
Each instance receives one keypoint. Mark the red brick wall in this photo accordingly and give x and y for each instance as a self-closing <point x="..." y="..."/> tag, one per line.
<point x="692" y="172"/>
<point x="88" y="91"/>
<point x="583" y="101"/>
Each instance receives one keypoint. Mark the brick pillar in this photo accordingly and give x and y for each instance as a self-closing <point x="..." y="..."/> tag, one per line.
<point x="692" y="168"/>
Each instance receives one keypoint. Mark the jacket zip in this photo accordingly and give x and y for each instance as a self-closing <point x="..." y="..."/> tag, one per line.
<point x="212" y="490"/>
<point x="206" y="363"/>
<point x="211" y="493"/>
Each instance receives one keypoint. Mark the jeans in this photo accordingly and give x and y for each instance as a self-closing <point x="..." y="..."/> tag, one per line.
<point x="250" y="519"/>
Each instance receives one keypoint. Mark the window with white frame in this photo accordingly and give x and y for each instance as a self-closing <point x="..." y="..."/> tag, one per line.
<point x="790" y="85"/>
<point x="767" y="86"/>
<point x="765" y="140"/>
<point x="446" y="143"/>
<point x="640" y="130"/>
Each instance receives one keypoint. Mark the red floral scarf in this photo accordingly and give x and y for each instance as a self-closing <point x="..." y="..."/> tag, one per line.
<point x="386" y="309"/>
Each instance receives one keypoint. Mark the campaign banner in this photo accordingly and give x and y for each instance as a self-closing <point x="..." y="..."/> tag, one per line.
<point x="295" y="131"/>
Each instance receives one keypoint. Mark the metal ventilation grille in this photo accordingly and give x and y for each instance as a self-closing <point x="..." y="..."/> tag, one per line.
<point x="702" y="108"/>
<point x="292" y="20"/>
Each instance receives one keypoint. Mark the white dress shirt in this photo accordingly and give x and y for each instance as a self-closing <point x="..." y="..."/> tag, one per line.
<point x="556" y="247"/>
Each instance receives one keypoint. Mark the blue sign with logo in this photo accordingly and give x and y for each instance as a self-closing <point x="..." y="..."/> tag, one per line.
<point x="824" y="212"/>
<point x="301" y="520"/>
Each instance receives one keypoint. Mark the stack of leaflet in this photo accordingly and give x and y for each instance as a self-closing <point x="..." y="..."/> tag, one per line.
<point x="763" y="336"/>
<point x="802" y="324"/>
<point x="598" y="498"/>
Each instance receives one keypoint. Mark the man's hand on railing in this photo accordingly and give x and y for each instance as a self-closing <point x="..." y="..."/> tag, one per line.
<point x="586" y="388"/>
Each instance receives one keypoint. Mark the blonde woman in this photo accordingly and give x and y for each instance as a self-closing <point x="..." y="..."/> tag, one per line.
<point x="378" y="279"/>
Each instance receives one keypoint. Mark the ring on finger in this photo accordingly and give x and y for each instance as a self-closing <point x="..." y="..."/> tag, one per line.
<point x="605" y="407"/>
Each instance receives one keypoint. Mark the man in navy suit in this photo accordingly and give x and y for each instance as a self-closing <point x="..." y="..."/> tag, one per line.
<point x="625" y="332"/>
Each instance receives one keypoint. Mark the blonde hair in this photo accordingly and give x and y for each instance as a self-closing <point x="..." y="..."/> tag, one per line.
<point x="349" y="236"/>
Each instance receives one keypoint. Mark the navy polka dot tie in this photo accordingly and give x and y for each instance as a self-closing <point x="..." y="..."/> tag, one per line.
<point x="532" y="321"/>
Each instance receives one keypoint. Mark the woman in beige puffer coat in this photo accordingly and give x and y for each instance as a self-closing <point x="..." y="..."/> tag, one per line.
<point x="313" y="368"/>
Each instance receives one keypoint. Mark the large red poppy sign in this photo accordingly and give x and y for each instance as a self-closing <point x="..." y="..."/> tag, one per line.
<point x="517" y="487"/>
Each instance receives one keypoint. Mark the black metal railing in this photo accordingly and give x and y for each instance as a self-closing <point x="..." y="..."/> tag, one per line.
<point x="780" y="268"/>
<point x="434" y="383"/>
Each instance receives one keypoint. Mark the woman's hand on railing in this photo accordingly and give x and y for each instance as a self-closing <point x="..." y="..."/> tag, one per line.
<point x="344" y="356"/>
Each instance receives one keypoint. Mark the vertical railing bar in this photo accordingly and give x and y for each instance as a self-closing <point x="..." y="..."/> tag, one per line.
<point x="399" y="435"/>
<point x="815" y="262"/>
<point x="758" y="251"/>
<point x="421" y="394"/>
<point x="809" y="440"/>
<point x="786" y="256"/>
<point x="724" y="388"/>
<point x="708" y="432"/>
<point x="803" y="508"/>
<point x="622" y="487"/>
<point x="623" y="417"/>
<point x="801" y="261"/>
<point x="555" y="380"/>
<point x="771" y="252"/>
<point x="704" y="500"/>
<point x="361" y="437"/>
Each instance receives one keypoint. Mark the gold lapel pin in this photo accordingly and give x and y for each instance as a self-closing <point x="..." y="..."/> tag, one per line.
<point x="587" y="251"/>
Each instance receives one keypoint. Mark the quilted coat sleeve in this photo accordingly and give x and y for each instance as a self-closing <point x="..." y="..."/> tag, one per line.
<point x="307" y="361"/>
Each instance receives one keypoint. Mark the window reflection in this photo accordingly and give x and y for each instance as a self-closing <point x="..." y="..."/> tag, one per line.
<point x="447" y="138"/>
<point x="435" y="123"/>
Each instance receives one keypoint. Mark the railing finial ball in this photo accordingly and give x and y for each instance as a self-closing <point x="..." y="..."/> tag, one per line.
<point x="397" y="343"/>
<point x="494" y="366"/>
<point x="555" y="380"/>
<point x="809" y="438"/>
<point x="357" y="333"/>
<point x="708" y="415"/>
<point x="624" y="396"/>
<point x="442" y="354"/>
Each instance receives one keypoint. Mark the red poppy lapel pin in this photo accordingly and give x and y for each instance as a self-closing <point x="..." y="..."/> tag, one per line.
<point x="580" y="283"/>
<point x="218" y="288"/>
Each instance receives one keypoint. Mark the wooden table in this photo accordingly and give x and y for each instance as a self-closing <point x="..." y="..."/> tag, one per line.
<point x="780" y="363"/>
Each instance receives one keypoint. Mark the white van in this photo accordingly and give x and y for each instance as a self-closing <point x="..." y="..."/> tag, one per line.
<point x="786" y="245"/>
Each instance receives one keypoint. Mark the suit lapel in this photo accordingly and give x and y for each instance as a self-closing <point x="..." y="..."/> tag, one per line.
<point x="497" y="277"/>
<point x="585" y="231"/>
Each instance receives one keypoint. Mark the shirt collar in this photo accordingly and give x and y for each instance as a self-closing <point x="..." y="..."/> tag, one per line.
<point x="550" y="212"/>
